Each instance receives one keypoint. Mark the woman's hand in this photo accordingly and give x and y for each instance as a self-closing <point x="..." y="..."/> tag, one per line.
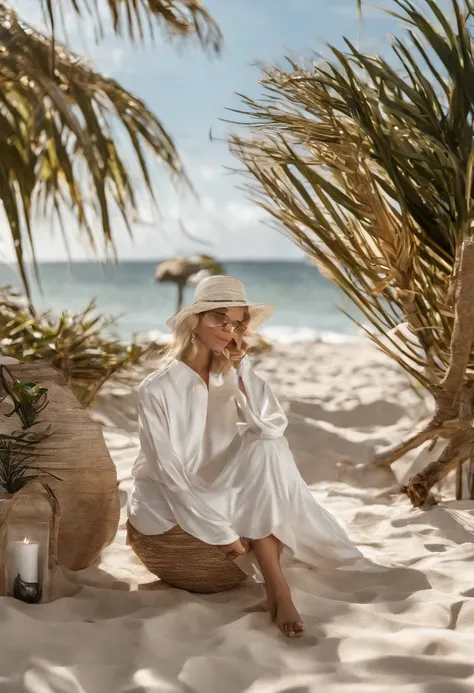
<point x="238" y="548"/>
<point x="237" y="349"/>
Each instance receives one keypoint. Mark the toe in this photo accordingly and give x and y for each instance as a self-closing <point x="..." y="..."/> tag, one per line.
<point x="295" y="630"/>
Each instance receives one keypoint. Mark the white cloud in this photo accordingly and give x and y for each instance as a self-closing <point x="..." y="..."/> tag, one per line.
<point x="226" y="229"/>
<point x="209" y="205"/>
<point x="209" y="172"/>
<point x="243" y="213"/>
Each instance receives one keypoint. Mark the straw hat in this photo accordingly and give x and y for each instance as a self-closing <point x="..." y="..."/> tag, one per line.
<point x="222" y="292"/>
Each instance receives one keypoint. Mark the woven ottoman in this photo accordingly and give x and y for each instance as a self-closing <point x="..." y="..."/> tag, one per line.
<point x="185" y="562"/>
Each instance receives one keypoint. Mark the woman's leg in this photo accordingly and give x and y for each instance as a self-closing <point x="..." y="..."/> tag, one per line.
<point x="263" y="493"/>
<point x="280" y="603"/>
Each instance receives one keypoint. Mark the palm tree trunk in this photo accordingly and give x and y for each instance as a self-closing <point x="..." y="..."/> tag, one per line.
<point x="458" y="451"/>
<point x="392" y="454"/>
<point x="454" y="396"/>
<point x="471" y="478"/>
<point x="463" y="331"/>
<point x="459" y="470"/>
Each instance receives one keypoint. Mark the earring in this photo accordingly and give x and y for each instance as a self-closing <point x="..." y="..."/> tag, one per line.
<point x="193" y="337"/>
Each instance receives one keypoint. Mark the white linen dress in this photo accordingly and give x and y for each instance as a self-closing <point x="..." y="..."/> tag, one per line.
<point x="217" y="463"/>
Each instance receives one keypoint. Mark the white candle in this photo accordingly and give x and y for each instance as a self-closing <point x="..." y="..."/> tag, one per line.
<point x="24" y="557"/>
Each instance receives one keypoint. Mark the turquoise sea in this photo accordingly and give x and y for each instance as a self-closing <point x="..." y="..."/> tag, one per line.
<point x="307" y="305"/>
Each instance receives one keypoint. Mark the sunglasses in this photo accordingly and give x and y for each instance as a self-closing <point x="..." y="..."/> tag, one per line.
<point x="216" y="319"/>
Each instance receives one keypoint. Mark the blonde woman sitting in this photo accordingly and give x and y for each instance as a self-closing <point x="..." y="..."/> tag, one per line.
<point x="215" y="472"/>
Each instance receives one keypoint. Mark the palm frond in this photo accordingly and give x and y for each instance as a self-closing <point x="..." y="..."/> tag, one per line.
<point x="79" y="344"/>
<point x="61" y="130"/>
<point x="178" y="18"/>
<point x="368" y="165"/>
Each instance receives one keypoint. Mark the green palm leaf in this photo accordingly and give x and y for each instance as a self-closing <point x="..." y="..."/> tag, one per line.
<point x="367" y="164"/>
<point x="58" y="142"/>
<point x="369" y="168"/>
<point x="82" y="345"/>
<point x="64" y="127"/>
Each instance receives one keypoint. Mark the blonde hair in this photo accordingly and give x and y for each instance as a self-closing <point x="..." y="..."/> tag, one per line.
<point x="182" y="347"/>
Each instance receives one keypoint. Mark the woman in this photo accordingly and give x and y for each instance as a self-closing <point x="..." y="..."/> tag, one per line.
<point x="214" y="461"/>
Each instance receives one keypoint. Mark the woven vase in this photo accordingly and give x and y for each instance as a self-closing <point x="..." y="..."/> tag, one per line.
<point x="87" y="491"/>
<point x="5" y="500"/>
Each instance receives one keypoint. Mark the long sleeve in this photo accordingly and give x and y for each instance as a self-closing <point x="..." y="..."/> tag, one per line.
<point x="165" y="466"/>
<point x="259" y="406"/>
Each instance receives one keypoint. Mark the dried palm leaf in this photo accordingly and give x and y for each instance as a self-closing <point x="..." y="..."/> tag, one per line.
<point x="180" y="18"/>
<point x="368" y="166"/>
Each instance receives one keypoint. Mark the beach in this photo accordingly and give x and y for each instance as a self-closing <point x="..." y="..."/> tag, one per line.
<point x="399" y="619"/>
<point x="307" y="305"/>
<point x="319" y="155"/>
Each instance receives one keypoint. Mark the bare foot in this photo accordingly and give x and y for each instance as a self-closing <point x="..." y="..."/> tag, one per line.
<point x="284" y="613"/>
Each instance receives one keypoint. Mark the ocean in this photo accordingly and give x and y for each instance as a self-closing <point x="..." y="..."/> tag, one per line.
<point x="307" y="305"/>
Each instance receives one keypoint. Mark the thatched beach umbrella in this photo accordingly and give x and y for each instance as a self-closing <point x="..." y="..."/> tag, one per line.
<point x="186" y="270"/>
<point x="369" y="167"/>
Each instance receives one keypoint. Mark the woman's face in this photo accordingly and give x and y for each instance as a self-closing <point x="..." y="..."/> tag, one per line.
<point x="217" y="328"/>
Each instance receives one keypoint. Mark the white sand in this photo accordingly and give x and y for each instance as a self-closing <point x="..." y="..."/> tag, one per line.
<point x="403" y="627"/>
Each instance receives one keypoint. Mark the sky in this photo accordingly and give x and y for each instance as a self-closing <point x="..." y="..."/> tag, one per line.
<point x="190" y="92"/>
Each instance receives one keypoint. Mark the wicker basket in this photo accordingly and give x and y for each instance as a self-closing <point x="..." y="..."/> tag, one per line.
<point x="185" y="562"/>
